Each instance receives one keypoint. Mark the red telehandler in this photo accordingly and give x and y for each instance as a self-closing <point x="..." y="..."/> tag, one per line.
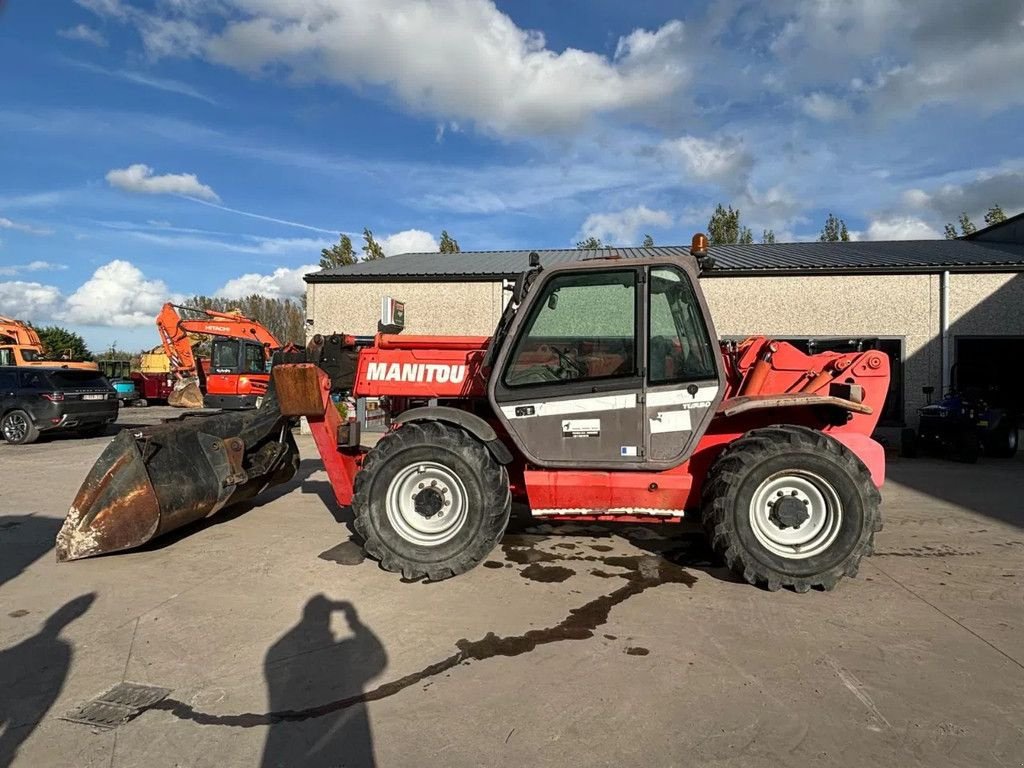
<point x="602" y="395"/>
<point x="239" y="358"/>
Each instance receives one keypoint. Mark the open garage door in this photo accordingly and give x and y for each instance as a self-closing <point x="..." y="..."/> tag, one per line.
<point x="991" y="367"/>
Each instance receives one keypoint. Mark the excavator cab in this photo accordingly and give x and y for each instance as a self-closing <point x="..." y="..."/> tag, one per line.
<point x="237" y="375"/>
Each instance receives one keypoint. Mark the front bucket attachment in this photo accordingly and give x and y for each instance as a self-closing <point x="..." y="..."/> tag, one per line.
<point x="186" y="394"/>
<point x="152" y="481"/>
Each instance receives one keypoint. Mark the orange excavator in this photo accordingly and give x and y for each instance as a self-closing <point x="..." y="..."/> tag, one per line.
<point x="20" y="345"/>
<point x="239" y="358"/>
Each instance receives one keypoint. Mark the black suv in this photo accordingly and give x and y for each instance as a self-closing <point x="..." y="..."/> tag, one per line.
<point x="34" y="400"/>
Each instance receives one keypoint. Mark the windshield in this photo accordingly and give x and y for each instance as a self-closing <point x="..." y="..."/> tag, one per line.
<point x="70" y="379"/>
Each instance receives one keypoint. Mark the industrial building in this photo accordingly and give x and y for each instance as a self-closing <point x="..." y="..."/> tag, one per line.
<point x="944" y="310"/>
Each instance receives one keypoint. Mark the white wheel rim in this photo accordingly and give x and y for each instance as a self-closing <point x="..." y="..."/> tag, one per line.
<point x="426" y="503"/>
<point x="820" y="508"/>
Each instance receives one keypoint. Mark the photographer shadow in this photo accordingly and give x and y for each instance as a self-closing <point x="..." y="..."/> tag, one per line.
<point x="308" y="666"/>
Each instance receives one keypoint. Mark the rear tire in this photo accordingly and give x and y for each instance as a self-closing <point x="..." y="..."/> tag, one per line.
<point x="18" y="429"/>
<point x="1001" y="442"/>
<point x="822" y="530"/>
<point x="430" y="501"/>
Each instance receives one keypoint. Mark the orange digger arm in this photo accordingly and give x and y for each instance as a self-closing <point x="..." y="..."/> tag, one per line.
<point x="174" y="333"/>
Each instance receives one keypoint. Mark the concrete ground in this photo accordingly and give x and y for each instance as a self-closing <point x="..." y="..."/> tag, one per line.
<point x="283" y="649"/>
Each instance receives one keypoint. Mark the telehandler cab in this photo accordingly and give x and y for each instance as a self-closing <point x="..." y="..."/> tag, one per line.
<point x="603" y="394"/>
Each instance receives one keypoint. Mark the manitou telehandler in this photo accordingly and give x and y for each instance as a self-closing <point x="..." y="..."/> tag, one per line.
<point x="602" y="395"/>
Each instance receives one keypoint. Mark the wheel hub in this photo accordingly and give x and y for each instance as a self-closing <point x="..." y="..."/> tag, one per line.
<point x="789" y="512"/>
<point x="427" y="503"/>
<point x="795" y="514"/>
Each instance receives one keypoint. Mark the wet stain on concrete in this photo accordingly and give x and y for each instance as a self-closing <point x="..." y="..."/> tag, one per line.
<point x="928" y="552"/>
<point x="602" y="574"/>
<point x="493" y="564"/>
<point x="548" y="574"/>
<point x="565" y="545"/>
<point x="600" y="547"/>
<point x="346" y="553"/>
<point x="18" y="613"/>
<point x="579" y="624"/>
<point x="637" y="651"/>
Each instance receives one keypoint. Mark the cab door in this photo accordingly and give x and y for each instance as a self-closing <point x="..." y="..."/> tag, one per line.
<point x="684" y="366"/>
<point x="567" y="384"/>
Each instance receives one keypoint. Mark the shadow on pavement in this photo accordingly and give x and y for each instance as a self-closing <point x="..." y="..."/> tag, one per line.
<point x="23" y="540"/>
<point x="307" y="666"/>
<point x="32" y="675"/>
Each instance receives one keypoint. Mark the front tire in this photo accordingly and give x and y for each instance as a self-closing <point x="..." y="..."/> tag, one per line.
<point x="18" y="429"/>
<point x="430" y="501"/>
<point x="790" y="506"/>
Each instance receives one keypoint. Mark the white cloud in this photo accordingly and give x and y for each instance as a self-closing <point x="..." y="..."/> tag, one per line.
<point x="725" y="161"/>
<point x="282" y="283"/>
<point x="973" y="196"/>
<point x="19" y="227"/>
<point x="142" y="78"/>
<point x="32" y="266"/>
<point x="264" y="246"/>
<point x="409" y="241"/>
<point x="29" y="300"/>
<point x="118" y="294"/>
<point x="823" y="107"/>
<point x="897" y="227"/>
<point x="422" y="52"/>
<point x="85" y="34"/>
<point x="139" y="178"/>
<point x="623" y="227"/>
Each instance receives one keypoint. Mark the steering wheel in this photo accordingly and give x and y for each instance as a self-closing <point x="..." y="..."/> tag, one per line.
<point x="568" y="364"/>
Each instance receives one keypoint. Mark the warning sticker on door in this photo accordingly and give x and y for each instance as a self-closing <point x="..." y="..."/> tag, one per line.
<point x="581" y="428"/>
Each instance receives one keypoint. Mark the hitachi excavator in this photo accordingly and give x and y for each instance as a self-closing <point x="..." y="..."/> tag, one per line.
<point x="239" y="359"/>
<point x="602" y="395"/>
<point x="20" y="345"/>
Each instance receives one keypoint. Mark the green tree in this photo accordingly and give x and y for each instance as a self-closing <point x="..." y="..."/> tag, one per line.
<point x="285" y="318"/>
<point x="60" y="343"/>
<point x="768" y="236"/>
<point x="589" y="244"/>
<point x="724" y="227"/>
<point x="648" y="241"/>
<point x="371" y="247"/>
<point x="834" y="230"/>
<point x="341" y="254"/>
<point x="448" y="243"/>
<point x="966" y="225"/>
<point x="995" y="215"/>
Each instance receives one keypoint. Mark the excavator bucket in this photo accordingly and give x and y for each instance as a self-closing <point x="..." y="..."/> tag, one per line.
<point x="160" y="478"/>
<point x="186" y="394"/>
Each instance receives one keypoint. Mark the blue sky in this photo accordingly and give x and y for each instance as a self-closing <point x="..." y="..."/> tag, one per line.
<point x="166" y="148"/>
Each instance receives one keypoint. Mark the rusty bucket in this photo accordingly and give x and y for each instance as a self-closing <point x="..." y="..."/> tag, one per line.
<point x="186" y="394"/>
<point x="151" y="481"/>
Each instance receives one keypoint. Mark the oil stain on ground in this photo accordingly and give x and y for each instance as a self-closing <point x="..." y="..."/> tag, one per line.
<point x="547" y="574"/>
<point x="646" y="572"/>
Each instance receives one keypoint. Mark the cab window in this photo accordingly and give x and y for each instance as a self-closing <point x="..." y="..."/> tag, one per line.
<point x="679" y="348"/>
<point x="582" y="328"/>
<point x="253" y="361"/>
<point x="225" y="356"/>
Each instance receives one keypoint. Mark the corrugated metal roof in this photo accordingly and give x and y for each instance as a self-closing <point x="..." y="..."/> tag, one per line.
<point x="730" y="260"/>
